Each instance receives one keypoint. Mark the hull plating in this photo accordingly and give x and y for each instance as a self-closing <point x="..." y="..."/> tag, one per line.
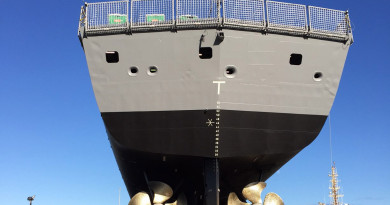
<point x="173" y="147"/>
<point x="168" y="126"/>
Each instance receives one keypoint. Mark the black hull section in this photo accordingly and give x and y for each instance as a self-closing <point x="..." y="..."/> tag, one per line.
<point x="181" y="149"/>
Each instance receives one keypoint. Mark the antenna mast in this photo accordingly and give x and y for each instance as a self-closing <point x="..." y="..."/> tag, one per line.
<point x="119" y="201"/>
<point x="334" y="188"/>
<point x="30" y="199"/>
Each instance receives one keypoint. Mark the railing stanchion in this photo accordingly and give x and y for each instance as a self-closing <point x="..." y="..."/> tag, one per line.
<point x="306" y="26"/>
<point x="308" y="8"/>
<point x="224" y="13"/>
<point x="219" y="12"/>
<point x="266" y="8"/>
<point x="86" y="17"/>
<point x="173" y="14"/>
<point x="264" y="19"/>
<point x="127" y="19"/>
<point x="131" y="15"/>
<point x="177" y="12"/>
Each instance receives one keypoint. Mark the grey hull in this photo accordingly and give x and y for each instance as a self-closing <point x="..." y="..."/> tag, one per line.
<point x="265" y="81"/>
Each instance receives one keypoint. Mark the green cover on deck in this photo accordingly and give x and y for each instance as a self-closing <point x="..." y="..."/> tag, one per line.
<point x="117" y="18"/>
<point x="155" y="17"/>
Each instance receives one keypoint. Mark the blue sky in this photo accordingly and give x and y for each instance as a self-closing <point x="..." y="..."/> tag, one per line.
<point x="54" y="145"/>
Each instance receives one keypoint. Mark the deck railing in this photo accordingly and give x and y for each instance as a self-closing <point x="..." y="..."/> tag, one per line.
<point x="197" y="13"/>
<point x="286" y="16"/>
<point x="151" y="14"/>
<point x="272" y="16"/>
<point x="244" y="13"/>
<point x="106" y="15"/>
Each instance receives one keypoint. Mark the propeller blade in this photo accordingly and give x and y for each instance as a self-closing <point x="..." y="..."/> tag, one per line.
<point x="234" y="200"/>
<point x="182" y="200"/>
<point x="252" y="191"/>
<point x="141" y="198"/>
<point x="162" y="192"/>
<point x="273" y="199"/>
<point x="173" y="203"/>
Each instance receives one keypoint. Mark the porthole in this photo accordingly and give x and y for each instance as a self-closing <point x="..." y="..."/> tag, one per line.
<point x="152" y="70"/>
<point x="230" y="71"/>
<point x="112" y="57"/>
<point x="133" y="71"/>
<point x="317" y="76"/>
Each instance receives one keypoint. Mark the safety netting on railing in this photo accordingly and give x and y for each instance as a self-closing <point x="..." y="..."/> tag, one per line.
<point x="244" y="13"/>
<point x="152" y="13"/>
<point x="197" y="12"/>
<point x="107" y="15"/>
<point x="264" y="15"/>
<point x="328" y="21"/>
<point x="286" y="16"/>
